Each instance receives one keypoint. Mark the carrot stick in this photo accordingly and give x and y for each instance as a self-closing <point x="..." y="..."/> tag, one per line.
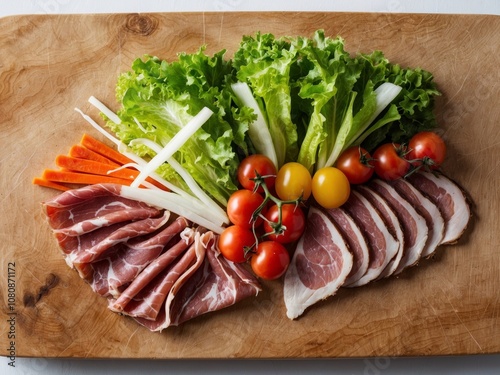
<point x="81" y="178"/>
<point x="103" y="149"/>
<point x="80" y="152"/>
<point x="93" y="167"/>
<point x="50" y="184"/>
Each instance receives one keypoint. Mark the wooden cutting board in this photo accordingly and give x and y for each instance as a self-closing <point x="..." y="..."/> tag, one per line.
<point x="51" y="64"/>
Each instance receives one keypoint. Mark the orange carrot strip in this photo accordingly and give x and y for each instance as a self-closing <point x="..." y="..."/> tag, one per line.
<point x="81" y="178"/>
<point x="103" y="149"/>
<point x="89" y="166"/>
<point x="50" y="184"/>
<point x="78" y="151"/>
<point x="93" y="167"/>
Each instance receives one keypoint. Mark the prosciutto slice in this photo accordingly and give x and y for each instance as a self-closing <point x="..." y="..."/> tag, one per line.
<point x="79" y="216"/>
<point x="124" y="265"/>
<point x="428" y="210"/>
<point x="355" y="240"/>
<point x="320" y="265"/>
<point x="216" y="285"/>
<point x="393" y="225"/>
<point x="414" y="226"/>
<point x="450" y="200"/>
<point x="211" y="286"/>
<point x="381" y="244"/>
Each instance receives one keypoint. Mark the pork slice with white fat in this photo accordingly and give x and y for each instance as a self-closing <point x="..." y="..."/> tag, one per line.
<point x="429" y="211"/>
<point x="319" y="267"/>
<point x="381" y="244"/>
<point x="210" y="284"/>
<point x="121" y="267"/>
<point x="450" y="200"/>
<point x="414" y="226"/>
<point x="217" y="284"/>
<point x="146" y="286"/>
<point x="356" y="242"/>
<point x="393" y="224"/>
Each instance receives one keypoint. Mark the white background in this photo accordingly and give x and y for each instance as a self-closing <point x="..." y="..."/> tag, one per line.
<point x="481" y="365"/>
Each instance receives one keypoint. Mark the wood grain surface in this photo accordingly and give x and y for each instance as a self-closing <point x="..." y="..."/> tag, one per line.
<point x="445" y="306"/>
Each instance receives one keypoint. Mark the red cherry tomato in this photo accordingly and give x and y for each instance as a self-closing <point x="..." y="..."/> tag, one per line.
<point x="253" y="164"/>
<point x="241" y="206"/>
<point x="292" y="218"/>
<point x="389" y="161"/>
<point x="427" y="148"/>
<point x="270" y="260"/>
<point x="357" y="164"/>
<point x="233" y="241"/>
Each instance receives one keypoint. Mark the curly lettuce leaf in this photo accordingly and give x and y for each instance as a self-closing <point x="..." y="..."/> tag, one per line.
<point x="158" y="98"/>
<point x="265" y="63"/>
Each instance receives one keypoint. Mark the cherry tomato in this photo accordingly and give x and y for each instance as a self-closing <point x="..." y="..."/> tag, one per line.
<point x="253" y="164"/>
<point x="293" y="181"/>
<point x="233" y="241"/>
<point x="292" y="218"/>
<point x="241" y="206"/>
<point x="427" y="148"/>
<point x="357" y="165"/>
<point x="270" y="260"/>
<point x="330" y="187"/>
<point x="389" y="161"/>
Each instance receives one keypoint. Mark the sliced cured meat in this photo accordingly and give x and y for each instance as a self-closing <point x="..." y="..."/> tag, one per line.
<point x="392" y="223"/>
<point x="122" y="266"/>
<point x="427" y="209"/>
<point x="415" y="229"/>
<point x="214" y="285"/>
<point x="355" y="240"/>
<point x="123" y="233"/>
<point x="80" y="211"/>
<point x="149" y="268"/>
<point x="450" y="200"/>
<point x="381" y="244"/>
<point x="156" y="270"/>
<point x="319" y="266"/>
<point x="217" y="285"/>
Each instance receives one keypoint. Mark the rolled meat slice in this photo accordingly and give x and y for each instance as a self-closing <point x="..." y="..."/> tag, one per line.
<point x="381" y="244"/>
<point x="319" y="266"/>
<point x="449" y="198"/>
<point x="427" y="209"/>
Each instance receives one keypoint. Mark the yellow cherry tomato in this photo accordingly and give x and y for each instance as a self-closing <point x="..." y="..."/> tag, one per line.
<point x="293" y="181"/>
<point x="330" y="187"/>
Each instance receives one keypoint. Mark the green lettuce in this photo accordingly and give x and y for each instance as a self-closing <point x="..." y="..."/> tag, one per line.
<point x="158" y="98"/>
<point x="265" y="64"/>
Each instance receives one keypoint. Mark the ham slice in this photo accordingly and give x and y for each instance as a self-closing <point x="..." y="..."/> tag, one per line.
<point x="218" y="284"/>
<point x="428" y="210"/>
<point x="162" y="268"/>
<point x="393" y="225"/>
<point x="124" y="265"/>
<point x="208" y="286"/>
<point x="319" y="266"/>
<point x="355" y="240"/>
<point x="79" y="216"/>
<point x="414" y="226"/>
<point x="450" y="200"/>
<point x="381" y="244"/>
